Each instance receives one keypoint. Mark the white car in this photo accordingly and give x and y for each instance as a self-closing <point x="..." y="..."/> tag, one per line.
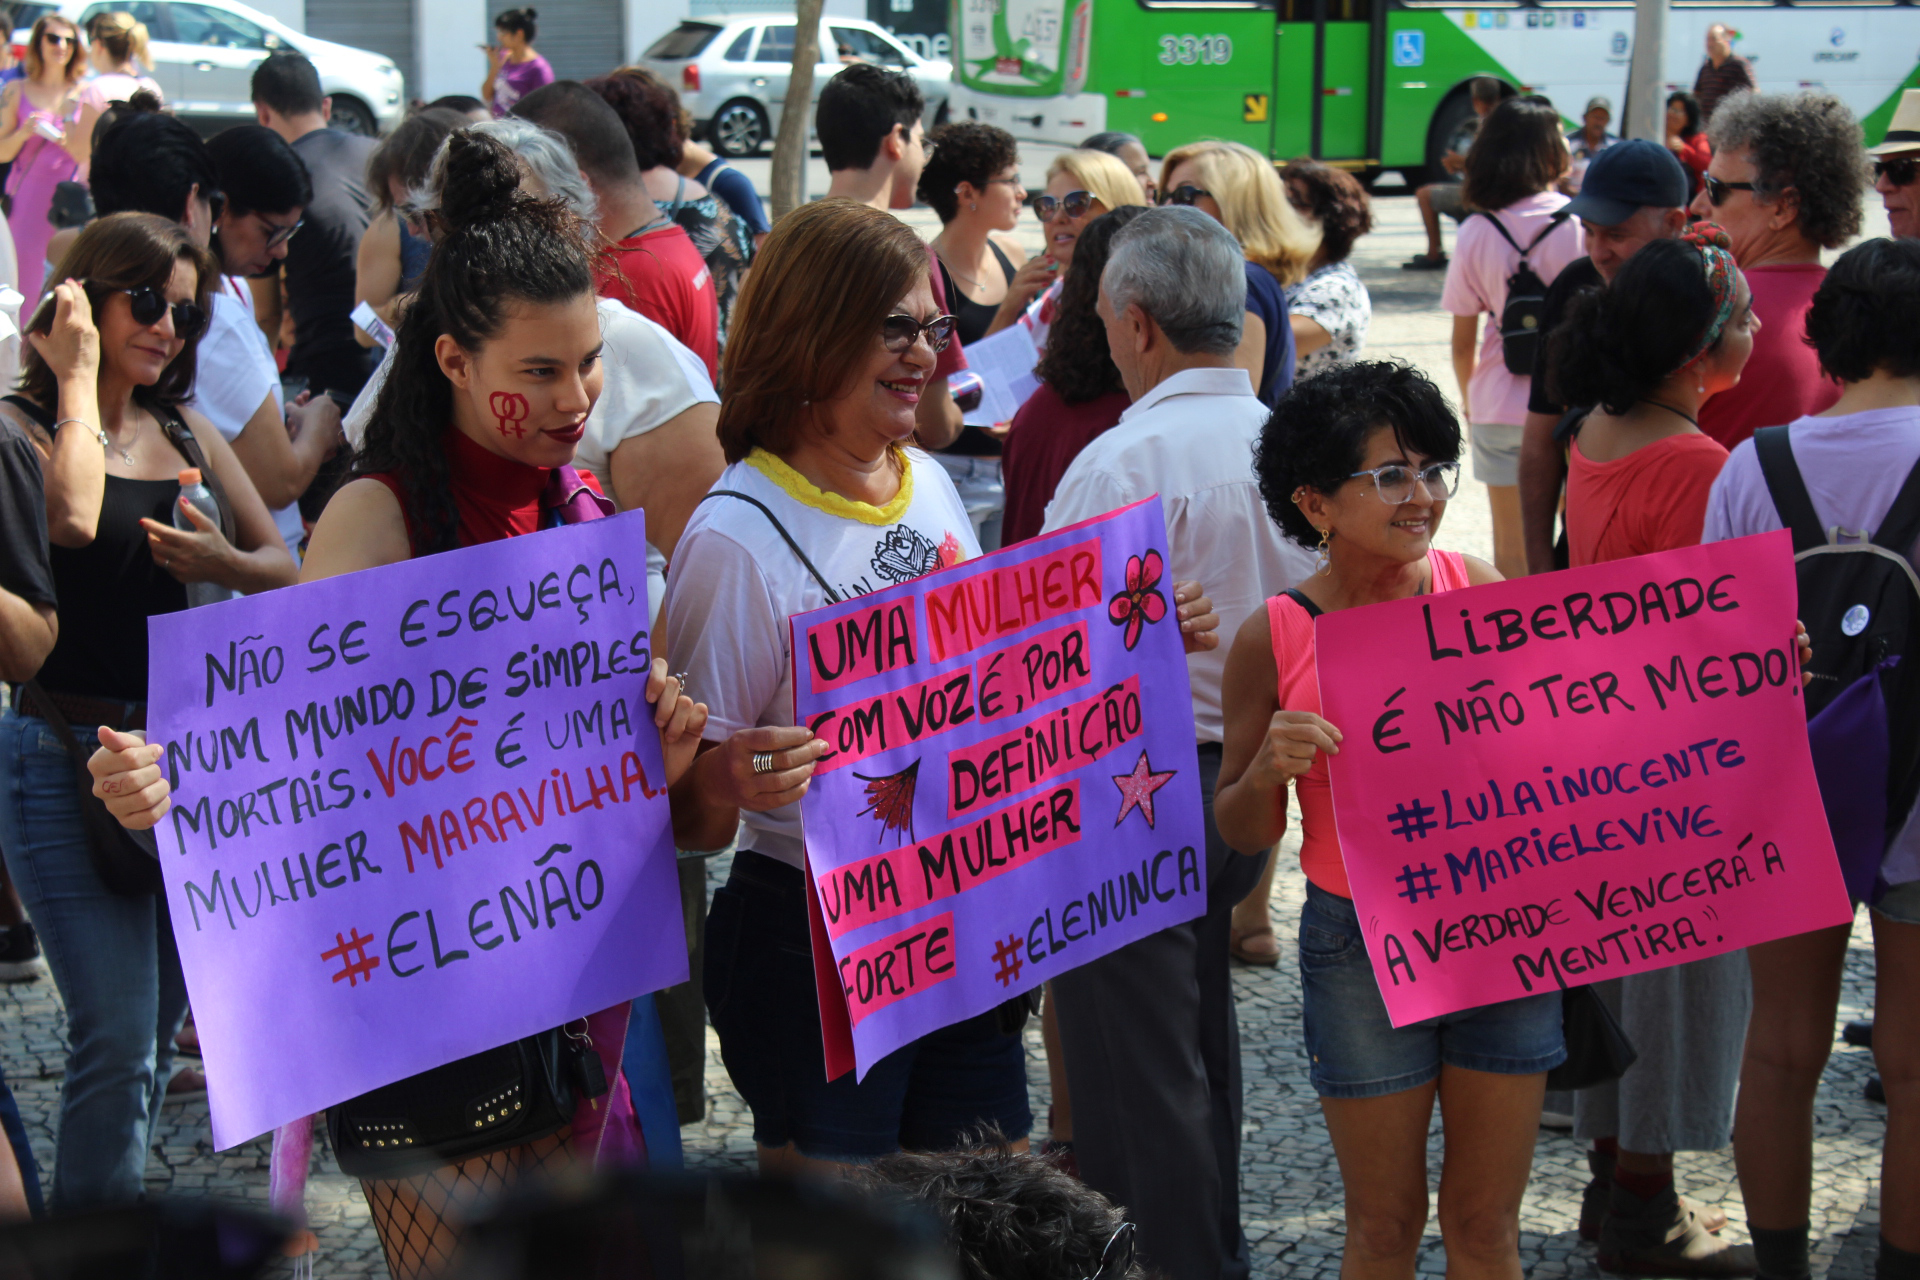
<point x="204" y="53"/>
<point x="732" y="72"/>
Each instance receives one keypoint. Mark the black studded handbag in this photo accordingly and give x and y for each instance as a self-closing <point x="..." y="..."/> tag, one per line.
<point x="489" y="1102"/>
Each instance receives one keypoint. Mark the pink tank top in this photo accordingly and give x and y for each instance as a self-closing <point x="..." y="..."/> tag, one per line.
<point x="1293" y="655"/>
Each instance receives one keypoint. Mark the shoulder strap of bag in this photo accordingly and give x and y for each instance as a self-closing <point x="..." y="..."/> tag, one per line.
<point x="43" y="706"/>
<point x="1788" y="491"/>
<point x="1900" y="528"/>
<point x="1299" y="597"/>
<point x="833" y="597"/>
<point x="1552" y="224"/>
<point x="181" y="437"/>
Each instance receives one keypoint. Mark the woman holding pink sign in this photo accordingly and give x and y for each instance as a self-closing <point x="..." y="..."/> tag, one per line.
<point x="1360" y="462"/>
<point x="1673" y="330"/>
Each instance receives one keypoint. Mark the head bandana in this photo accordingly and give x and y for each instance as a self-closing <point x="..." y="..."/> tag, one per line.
<point x="1714" y="246"/>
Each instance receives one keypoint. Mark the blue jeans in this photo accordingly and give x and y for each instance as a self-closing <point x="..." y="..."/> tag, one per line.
<point x="113" y="959"/>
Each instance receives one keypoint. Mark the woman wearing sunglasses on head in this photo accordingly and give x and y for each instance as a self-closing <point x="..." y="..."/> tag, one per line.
<point x="1360" y="461"/>
<point x="1237" y="187"/>
<point x="112" y="355"/>
<point x="39" y="117"/>
<point x="834" y="338"/>
<point x="1081" y="185"/>
<point x="1786" y="181"/>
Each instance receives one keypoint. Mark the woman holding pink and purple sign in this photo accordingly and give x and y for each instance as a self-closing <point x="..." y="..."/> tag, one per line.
<point x="1360" y="462"/>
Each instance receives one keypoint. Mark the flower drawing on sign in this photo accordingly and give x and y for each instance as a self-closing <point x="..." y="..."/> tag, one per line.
<point x="1137" y="788"/>
<point x="890" y="799"/>
<point x="1141" y="603"/>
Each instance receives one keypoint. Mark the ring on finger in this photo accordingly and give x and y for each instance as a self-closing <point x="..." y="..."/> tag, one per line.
<point x="681" y="678"/>
<point x="763" y="762"/>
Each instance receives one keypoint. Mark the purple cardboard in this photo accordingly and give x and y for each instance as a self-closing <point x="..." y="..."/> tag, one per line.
<point x="1013" y="789"/>
<point x="419" y="811"/>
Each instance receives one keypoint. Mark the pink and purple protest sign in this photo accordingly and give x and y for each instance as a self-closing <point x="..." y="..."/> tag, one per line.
<point x="1576" y="776"/>
<point x="1012" y="788"/>
<point x="419" y="811"/>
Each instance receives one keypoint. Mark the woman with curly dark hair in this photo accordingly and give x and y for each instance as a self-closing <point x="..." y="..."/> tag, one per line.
<point x="1330" y="309"/>
<point x="1788" y="179"/>
<point x="1361" y="461"/>
<point x="1686" y="138"/>
<point x="505" y="308"/>
<point x="650" y="111"/>
<point x="1080" y="395"/>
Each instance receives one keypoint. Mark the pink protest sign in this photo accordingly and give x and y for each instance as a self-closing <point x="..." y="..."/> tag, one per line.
<point x="1576" y="776"/>
<point x="419" y="811"/>
<point x="1012" y="788"/>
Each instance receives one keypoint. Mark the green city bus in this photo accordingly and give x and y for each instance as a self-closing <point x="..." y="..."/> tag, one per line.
<point x="1377" y="84"/>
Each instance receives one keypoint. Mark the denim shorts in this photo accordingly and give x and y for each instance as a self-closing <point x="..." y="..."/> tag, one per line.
<point x="1357" y="1053"/>
<point x="761" y="998"/>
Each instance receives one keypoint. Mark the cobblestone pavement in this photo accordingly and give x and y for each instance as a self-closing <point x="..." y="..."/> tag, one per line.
<point x="1291" y="1197"/>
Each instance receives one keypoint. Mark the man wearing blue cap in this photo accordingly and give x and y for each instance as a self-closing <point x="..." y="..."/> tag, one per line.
<point x="1634" y="192"/>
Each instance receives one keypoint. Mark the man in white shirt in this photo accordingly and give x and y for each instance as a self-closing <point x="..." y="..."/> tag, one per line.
<point x="1151" y="1043"/>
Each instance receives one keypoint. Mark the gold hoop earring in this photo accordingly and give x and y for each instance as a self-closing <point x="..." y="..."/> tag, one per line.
<point x="1322" y="558"/>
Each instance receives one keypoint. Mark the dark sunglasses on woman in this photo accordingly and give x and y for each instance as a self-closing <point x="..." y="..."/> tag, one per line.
<point x="899" y="332"/>
<point x="1076" y="203"/>
<point x="1900" y="172"/>
<point x="148" y="304"/>
<point x="1186" y="193"/>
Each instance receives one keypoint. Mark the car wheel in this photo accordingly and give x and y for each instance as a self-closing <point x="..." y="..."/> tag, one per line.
<point x="350" y="115"/>
<point x="739" y="128"/>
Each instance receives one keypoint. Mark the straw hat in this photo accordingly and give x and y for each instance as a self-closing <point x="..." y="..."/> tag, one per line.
<point x="1903" y="132"/>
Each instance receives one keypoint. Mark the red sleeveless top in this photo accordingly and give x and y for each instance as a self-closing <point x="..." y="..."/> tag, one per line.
<point x="1293" y="655"/>
<point x="495" y="496"/>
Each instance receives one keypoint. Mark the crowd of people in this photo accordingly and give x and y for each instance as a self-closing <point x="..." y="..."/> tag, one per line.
<point x="313" y="325"/>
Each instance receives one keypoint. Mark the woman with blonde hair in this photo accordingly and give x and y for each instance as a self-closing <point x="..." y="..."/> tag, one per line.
<point x="40" y="117"/>
<point x="1239" y="188"/>
<point x="117" y="51"/>
<point x="1081" y="185"/>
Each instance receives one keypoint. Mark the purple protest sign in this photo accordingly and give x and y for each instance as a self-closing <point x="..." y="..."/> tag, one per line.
<point x="1013" y="786"/>
<point x="419" y="811"/>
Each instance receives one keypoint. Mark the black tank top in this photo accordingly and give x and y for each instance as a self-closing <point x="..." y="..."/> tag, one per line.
<point x="973" y="319"/>
<point x="108" y="589"/>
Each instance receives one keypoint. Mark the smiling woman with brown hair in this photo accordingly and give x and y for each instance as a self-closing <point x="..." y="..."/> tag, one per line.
<point x="835" y="337"/>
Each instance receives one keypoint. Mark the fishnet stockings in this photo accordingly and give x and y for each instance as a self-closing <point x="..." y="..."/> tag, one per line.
<point x="419" y="1218"/>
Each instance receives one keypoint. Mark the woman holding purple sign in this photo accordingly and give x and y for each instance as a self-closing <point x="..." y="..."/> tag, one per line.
<point x="835" y="336"/>
<point x="496" y="367"/>
<point x="1360" y="461"/>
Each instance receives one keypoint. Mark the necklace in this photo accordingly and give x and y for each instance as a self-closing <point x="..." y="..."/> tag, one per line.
<point x="1678" y="413"/>
<point x="126" y="451"/>
<point x="971" y="282"/>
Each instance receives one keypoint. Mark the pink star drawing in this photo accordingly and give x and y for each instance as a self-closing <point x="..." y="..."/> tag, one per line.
<point x="1137" y="788"/>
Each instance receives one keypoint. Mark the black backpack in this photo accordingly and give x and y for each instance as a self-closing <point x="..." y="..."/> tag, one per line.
<point x="1860" y="601"/>
<point x="1526" y="305"/>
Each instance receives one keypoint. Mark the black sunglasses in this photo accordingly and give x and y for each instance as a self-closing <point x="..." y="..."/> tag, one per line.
<point x="1718" y="191"/>
<point x="1186" y="193"/>
<point x="1116" y="1260"/>
<point x="1900" y="172"/>
<point x="899" y="332"/>
<point x="1076" y="203"/>
<point x="148" y="305"/>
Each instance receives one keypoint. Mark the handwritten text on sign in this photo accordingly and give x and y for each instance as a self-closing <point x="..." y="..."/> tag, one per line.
<point x="1571" y="777"/>
<point x="419" y="811"/>
<point x="1012" y="788"/>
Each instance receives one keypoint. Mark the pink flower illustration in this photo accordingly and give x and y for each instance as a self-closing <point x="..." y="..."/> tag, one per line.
<point x="1141" y="602"/>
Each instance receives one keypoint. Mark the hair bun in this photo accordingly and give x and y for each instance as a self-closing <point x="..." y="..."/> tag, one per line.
<point x="1707" y="235"/>
<point x="530" y="13"/>
<point x="482" y="182"/>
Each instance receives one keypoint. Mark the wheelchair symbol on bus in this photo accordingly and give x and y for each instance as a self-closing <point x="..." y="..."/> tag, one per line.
<point x="1409" y="48"/>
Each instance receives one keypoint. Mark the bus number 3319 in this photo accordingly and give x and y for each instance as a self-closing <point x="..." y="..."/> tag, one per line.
<point x="1187" y="50"/>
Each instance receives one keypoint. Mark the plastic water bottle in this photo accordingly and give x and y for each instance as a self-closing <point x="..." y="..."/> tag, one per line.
<point x="194" y="491"/>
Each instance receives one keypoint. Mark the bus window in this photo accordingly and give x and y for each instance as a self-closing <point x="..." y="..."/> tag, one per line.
<point x="1349" y="10"/>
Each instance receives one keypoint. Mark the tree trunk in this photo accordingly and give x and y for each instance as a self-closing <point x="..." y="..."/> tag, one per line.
<point x="796" y="117"/>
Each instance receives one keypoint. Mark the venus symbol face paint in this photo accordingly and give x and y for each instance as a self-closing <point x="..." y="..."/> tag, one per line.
<point x="510" y="413"/>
